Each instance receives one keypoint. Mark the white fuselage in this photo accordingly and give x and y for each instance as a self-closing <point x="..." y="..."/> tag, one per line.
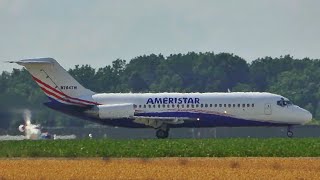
<point x="247" y="106"/>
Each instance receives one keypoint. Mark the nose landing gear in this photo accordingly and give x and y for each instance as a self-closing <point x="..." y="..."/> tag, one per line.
<point x="289" y="132"/>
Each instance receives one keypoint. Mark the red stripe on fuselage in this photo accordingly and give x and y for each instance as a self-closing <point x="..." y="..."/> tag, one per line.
<point x="58" y="97"/>
<point x="61" y="93"/>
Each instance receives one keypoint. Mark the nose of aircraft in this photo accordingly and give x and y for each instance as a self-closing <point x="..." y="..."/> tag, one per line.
<point x="306" y="116"/>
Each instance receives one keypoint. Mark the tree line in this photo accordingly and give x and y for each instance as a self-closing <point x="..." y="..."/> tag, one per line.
<point x="296" y="79"/>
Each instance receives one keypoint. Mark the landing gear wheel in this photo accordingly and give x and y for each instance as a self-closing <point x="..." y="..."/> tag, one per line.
<point x="162" y="134"/>
<point x="290" y="134"/>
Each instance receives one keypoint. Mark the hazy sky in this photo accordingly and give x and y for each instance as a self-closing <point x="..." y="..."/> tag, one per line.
<point x="98" y="32"/>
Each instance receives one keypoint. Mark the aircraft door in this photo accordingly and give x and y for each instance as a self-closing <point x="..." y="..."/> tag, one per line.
<point x="267" y="109"/>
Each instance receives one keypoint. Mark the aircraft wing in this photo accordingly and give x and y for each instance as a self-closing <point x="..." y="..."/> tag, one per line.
<point x="165" y="118"/>
<point x="158" y="121"/>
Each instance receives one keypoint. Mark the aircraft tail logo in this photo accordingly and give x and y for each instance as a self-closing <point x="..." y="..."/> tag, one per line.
<point x="56" y="82"/>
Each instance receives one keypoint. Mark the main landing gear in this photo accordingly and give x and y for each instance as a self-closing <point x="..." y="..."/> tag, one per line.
<point x="162" y="132"/>
<point x="289" y="132"/>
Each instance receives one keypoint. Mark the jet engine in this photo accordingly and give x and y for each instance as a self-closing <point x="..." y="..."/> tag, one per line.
<point x="112" y="111"/>
<point x="21" y="128"/>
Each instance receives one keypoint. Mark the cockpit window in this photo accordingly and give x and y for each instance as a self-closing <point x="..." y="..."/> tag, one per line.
<point x="288" y="102"/>
<point x="284" y="102"/>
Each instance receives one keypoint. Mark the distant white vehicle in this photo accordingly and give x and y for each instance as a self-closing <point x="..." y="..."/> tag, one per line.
<point x="32" y="131"/>
<point x="162" y="111"/>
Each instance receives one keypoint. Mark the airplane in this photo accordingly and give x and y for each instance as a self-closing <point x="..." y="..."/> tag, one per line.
<point x="162" y="111"/>
<point x="32" y="131"/>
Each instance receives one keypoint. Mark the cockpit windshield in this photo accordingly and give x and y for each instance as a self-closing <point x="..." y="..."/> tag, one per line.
<point x="284" y="102"/>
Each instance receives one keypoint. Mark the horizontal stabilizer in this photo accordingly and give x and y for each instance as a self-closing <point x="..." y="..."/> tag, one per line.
<point x="34" y="61"/>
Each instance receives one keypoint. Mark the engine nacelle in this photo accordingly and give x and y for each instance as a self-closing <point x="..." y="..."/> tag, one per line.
<point x="113" y="111"/>
<point x="21" y="128"/>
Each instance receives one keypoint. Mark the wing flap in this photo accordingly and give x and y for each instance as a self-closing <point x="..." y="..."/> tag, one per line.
<point x="164" y="118"/>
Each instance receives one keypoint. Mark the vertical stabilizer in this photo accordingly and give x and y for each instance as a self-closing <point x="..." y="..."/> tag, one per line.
<point x="56" y="82"/>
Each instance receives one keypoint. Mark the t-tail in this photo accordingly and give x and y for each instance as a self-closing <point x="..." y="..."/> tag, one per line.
<point x="56" y="82"/>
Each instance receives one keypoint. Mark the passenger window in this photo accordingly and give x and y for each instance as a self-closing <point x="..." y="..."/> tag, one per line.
<point x="238" y="105"/>
<point x="233" y="105"/>
<point x="206" y="105"/>
<point x="182" y="106"/>
<point x="149" y="106"/>
<point x="154" y="106"/>
<point x="197" y="105"/>
<point x="252" y="105"/>
<point x="210" y="105"/>
<point x="163" y="106"/>
<point x="140" y="106"/>
<point x="215" y="105"/>
<point x="192" y="105"/>
<point x="168" y="106"/>
<point x="134" y="106"/>
<point x="229" y="105"/>
<point x="243" y="105"/>
<point x="201" y="105"/>
<point x="172" y="105"/>
<point x="178" y="106"/>
<point x="248" y="105"/>
<point x="225" y="105"/>
<point x="144" y="106"/>
<point x="187" y="105"/>
<point x="220" y="105"/>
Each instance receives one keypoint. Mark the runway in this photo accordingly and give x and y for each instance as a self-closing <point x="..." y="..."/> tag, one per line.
<point x="160" y="168"/>
<point x="21" y="137"/>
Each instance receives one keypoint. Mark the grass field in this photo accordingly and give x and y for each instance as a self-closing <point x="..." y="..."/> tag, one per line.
<point x="236" y="147"/>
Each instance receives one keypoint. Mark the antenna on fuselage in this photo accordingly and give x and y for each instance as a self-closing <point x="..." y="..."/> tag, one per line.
<point x="229" y="90"/>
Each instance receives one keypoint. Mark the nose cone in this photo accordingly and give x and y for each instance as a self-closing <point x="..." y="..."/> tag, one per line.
<point x="306" y="116"/>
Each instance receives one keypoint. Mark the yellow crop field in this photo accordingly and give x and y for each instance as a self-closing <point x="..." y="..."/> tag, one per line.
<point x="160" y="168"/>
